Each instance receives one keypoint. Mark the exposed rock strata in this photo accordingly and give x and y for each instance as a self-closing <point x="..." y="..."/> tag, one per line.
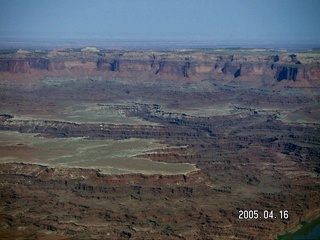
<point x="172" y="65"/>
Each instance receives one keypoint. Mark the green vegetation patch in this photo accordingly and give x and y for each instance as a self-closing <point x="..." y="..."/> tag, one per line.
<point x="70" y="111"/>
<point x="109" y="156"/>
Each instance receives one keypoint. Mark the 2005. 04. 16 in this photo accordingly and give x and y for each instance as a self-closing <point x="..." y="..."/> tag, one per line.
<point x="266" y="214"/>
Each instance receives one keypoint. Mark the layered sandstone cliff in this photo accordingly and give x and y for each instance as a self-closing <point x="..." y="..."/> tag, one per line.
<point x="267" y="68"/>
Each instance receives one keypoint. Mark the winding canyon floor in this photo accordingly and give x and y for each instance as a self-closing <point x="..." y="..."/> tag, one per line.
<point x="105" y="158"/>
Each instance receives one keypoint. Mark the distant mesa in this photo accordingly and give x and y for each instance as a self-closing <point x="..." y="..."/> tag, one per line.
<point x="22" y="51"/>
<point x="90" y="49"/>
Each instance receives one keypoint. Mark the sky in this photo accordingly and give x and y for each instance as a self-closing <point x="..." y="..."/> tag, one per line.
<point x="151" y="20"/>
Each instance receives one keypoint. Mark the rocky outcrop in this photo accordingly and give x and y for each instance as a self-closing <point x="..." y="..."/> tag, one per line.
<point x="185" y="69"/>
<point x="4" y="117"/>
<point x="107" y="65"/>
<point x="229" y="68"/>
<point x="276" y="58"/>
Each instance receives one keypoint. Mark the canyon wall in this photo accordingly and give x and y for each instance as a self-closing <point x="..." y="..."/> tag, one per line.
<point x="302" y="70"/>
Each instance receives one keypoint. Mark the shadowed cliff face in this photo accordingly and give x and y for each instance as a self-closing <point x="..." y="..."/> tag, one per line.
<point x="24" y="65"/>
<point x="173" y="65"/>
<point x="286" y="73"/>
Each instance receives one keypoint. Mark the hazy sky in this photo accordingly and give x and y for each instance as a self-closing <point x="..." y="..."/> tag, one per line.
<point x="216" y="20"/>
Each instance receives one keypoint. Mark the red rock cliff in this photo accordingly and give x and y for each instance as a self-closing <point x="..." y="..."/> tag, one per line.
<point x="298" y="70"/>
